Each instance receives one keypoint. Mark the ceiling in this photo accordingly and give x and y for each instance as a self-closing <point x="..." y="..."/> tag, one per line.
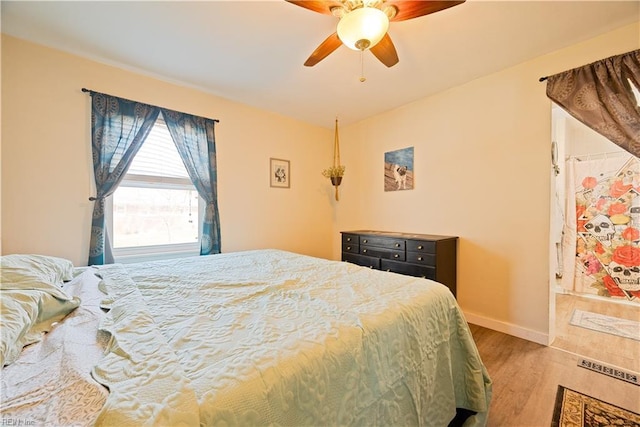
<point x="252" y="51"/>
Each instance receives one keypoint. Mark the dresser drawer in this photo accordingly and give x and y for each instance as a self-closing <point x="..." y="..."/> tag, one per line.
<point x="421" y="246"/>
<point x="408" y="269"/>
<point x="365" y="261"/>
<point x="383" y="242"/>
<point x="350" y="239"/>
<point x="382" y="252"/>
<point x="351" y="248"/>
<point x="421" y="258"/>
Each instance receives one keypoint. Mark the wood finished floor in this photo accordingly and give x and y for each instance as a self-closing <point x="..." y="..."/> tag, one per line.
<point x="610" y="349"/>
<point x="526" y="376"/>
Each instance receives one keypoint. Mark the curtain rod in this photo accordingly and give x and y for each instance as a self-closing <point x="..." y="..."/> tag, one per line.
<point x="84" y="89"/>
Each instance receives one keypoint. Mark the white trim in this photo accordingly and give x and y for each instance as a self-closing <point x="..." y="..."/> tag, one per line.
<point x="150" y="181"/>
<point x="560" y="290"/>
<point x="148" y="256"/>
<point x="508" y="328"/>
<point x="159" y="249"/>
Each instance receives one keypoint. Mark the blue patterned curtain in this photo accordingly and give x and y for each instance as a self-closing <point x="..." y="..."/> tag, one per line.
<point x="195" y="140"/>
<point x="118" y="129"/>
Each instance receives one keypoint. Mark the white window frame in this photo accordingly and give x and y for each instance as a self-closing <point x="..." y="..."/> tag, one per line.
<point x="154" y="252"/>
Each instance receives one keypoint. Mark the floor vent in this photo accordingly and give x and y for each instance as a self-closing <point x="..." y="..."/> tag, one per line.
<point x="620" y="374"/>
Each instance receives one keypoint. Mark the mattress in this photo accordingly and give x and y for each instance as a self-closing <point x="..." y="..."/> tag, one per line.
<point x="270" y="337"/>
<point x="250" y="338"/>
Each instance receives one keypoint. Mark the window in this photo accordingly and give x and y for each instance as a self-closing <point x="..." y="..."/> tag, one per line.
<point x="155" y="212"/>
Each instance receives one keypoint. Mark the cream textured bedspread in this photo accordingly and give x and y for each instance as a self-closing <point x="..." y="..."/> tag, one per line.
<point x="50" y="383"/>
<point x="274" y="338"/>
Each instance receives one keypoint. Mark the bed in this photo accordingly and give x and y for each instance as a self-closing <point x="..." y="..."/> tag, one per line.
<point x="262" y="337"/>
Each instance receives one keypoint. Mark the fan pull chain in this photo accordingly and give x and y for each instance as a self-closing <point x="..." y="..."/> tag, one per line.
<point x="362" y="77"/>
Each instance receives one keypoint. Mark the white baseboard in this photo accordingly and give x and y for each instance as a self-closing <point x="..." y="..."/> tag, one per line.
<point x="507" y="328"/>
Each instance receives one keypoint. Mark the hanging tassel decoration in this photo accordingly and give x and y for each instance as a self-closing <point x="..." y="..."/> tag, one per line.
<point x="335" y="172"/>
<point x="336" y="180"/>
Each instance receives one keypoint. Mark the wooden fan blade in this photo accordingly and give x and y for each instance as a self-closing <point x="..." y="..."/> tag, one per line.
<point x="326" y="47"/>
<point x="385" y="51"/>
<point x="323" y="7"/>
<point x="409" y="9"/>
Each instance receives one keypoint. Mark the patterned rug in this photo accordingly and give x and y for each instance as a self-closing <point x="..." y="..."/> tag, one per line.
<point x="577" y="410"/>
<point x="610" y="325"/>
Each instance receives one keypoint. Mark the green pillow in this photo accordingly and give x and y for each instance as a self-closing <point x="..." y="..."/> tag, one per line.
<point x="31" y="300"/>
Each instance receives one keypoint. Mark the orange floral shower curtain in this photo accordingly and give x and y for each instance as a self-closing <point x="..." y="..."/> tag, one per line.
<point x="602" y="230"/>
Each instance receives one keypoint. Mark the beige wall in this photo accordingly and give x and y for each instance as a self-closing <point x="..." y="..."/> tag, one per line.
<point x="482" y="172"/>
<point x="46" y="158"/>
<point x="482" y="168"/>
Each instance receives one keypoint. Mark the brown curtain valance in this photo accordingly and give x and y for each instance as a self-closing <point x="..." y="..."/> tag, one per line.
<point x="600" y="96"/>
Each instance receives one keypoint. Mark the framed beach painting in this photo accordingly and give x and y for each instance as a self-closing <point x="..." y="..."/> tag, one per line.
<point x="398" y="170"/>
<point x="280" y="173"/>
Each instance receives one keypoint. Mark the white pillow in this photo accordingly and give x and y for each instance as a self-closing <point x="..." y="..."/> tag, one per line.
<point x="20" y="269"/>
<point x="31" y="300"/>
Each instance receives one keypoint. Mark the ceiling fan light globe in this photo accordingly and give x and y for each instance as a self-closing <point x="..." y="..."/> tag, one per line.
<point x="366" y="24"/>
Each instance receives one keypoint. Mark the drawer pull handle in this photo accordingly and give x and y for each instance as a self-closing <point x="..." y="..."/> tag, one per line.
<point x="348" y="239"/>
<point x="420" y="247"/>
<point x="396" y="256"/>
<point x="419" y="258"/>
<point x="397" y="245"/>
<point x="364" y="251"/>
<point x="365" y="241"/>
<point x="388" y="269"/>
<point x="371" y="266"/>
<point x="348" y="248"/>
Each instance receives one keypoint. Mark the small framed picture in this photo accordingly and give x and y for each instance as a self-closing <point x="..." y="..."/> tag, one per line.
<point x="280" y="173"/>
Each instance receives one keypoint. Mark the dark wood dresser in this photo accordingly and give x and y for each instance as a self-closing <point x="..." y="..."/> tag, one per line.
<point x="421" y="255"/>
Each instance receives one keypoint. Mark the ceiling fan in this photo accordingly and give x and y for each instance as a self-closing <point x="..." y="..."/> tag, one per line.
<point x="363" y="24"/>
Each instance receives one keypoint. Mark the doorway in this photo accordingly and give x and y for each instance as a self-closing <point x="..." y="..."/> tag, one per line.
<point x="583" y="282"/>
